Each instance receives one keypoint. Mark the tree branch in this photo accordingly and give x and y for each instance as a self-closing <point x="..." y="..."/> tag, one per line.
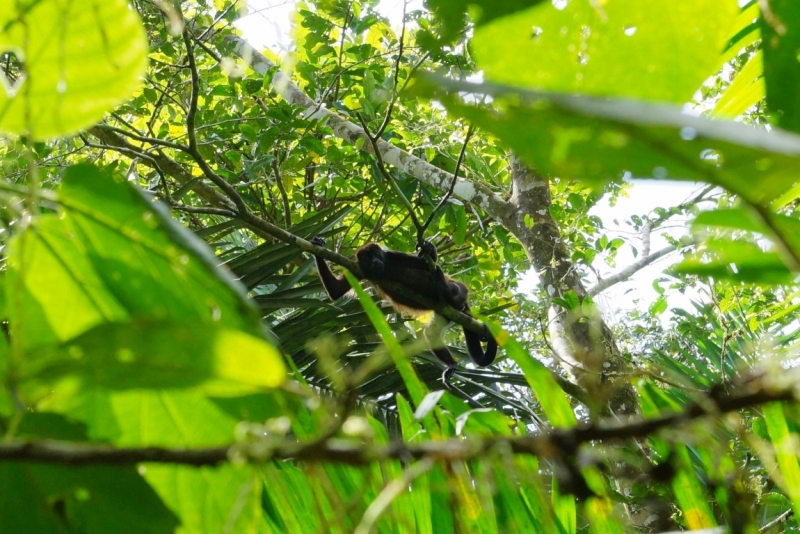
<point x="555" y="444"/>
<point x="627" y="272"/>
<point x="167" y="165"/>
<point x="144" y="139"/>
<point x="216" y="179"/>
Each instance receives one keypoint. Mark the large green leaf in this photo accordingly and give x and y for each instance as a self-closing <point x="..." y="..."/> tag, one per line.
<point x="689" y="492"/>
<point x="115" y="292"/>
<point x="745" y="90"/>
<point x="717" y="256"/>
<point x="112" y="255"/>
<point x="736" y="260"/>
<point x="785" y="443"/>
<point x="600" y="140"/>
<point x="160" y="355"/>
<point x="452" y="13"/>
<point x="80" y="59"/>
<point x="780" y="28"/>
<point x="207" y="500"/>
<point x="652" y="49"/>
<point x="43" y="499"/>
<point x="550" y="395"/>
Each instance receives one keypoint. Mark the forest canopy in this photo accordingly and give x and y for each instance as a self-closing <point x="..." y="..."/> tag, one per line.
<point x="171" y="360"/>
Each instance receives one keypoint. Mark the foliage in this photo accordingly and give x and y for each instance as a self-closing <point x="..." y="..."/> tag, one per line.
<point x="159" y="311"/>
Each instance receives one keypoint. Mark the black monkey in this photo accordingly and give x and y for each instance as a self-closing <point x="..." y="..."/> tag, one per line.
<point x="413" y="272"/>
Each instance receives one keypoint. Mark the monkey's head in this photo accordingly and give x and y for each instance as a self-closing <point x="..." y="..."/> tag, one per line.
<point x="372" y="260"/>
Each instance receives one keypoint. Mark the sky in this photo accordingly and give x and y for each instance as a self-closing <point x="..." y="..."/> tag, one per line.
<point x="645" y="196"/>
<point x="267" y="25"/>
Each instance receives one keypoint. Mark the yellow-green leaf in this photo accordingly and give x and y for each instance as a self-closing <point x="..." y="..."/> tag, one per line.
<point x="78" y="61"/>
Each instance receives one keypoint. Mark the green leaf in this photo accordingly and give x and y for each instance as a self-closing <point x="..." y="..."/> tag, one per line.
<point x="248" y="132"/>
<point x="780" y="30"/>
<point x="736" y="218"/>
<point x="553" y="400"/>
<point x="659" y="306"/>
<point x="80" y="61"/>
<point x="416" y="388"/>
<point x="313" y="144"/>
<point x="657" y="286"/>
<point x="745" y="91"/>
<point x="461" y="225"/>
<point x="600" y="510"/>
<point x="43" y="498"/>
<point x="160" y="355"/>
<point x="785" y="451"/>
<point x="451" y="13"/>
<point x="736" y="260"/>
<point x="744" y="32"/>
<point x="511" y="509"/>
<point x="759" y="428"/>
<point x="528" y="220"/>
<point x="692" y="499"/>
<point x="569" y="302"/>
<point x="565" y="509"/>
<point x="207" y="500"/>
<point x="483" y="422"/>
<point x="114" y="256"/>
<point x="616" y="244"/>
<point x="54" y="499"/>
<point x="685" y="484"/>
<point x="601" y="140"/>
<point x="621" y="48"/>
<point x="576" y="201"/>
<point x="787" y="228"/>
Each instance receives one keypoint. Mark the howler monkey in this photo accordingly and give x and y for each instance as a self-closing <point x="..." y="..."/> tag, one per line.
<point x="413" y="272"/>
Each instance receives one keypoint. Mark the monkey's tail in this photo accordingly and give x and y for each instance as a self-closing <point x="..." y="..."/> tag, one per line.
<point x="474" y="347"/>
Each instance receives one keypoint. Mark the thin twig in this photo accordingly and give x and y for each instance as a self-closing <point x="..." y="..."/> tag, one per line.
<point x="287" y="211"/>
<point x="205" y="211"/>
<point x="387" y="175"/>
<point x="388" y="116"/>
<point x="441" y="203"/>
<point x="144" y="139"/>
<point x="780" y="519"/>
<point x="218" y="180"/>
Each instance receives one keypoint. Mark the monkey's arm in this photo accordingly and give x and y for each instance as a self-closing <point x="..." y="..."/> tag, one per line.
<point x="336" y="287"/>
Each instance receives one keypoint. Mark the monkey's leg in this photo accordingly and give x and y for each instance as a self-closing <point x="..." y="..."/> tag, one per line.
<point x="433" y="335"/>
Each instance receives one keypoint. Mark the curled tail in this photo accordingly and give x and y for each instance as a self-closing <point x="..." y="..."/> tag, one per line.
<point x="474" y="347"/>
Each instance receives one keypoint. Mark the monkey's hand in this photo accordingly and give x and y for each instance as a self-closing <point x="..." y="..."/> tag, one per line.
<point x="447" y="375"/>
<point x="318" y="240"/>
<point x="428" y="250"/>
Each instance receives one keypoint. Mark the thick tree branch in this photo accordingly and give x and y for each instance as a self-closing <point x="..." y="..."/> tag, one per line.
<point x="555" y="444"/>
